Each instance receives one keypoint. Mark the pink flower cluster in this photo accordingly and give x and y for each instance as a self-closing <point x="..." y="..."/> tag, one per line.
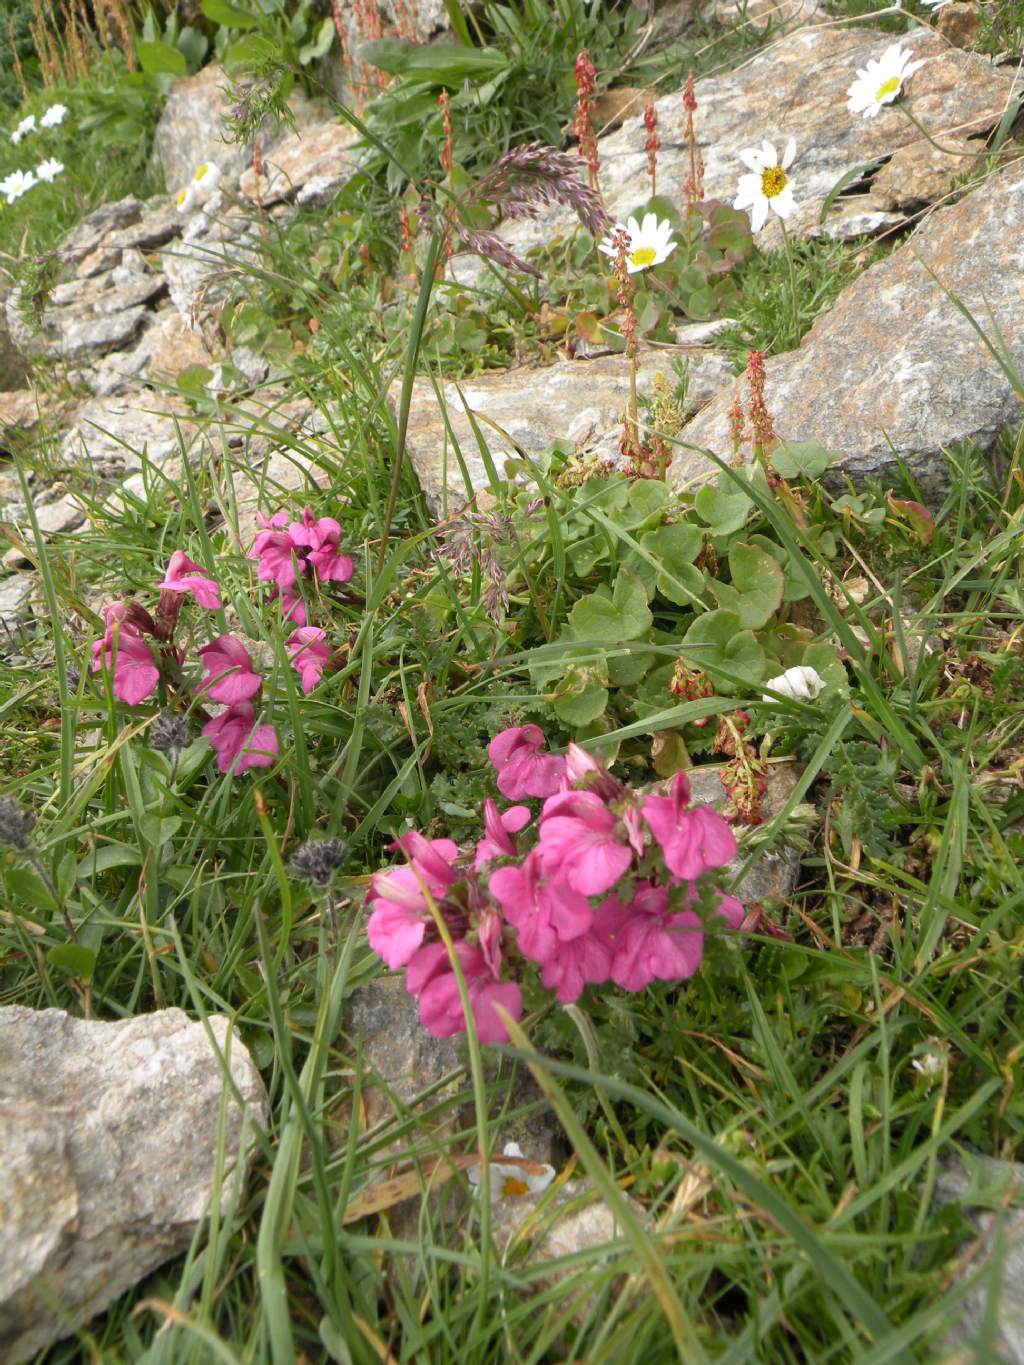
<point x="137" y="668"/>
<point x="290" y="550"/>
<point x="608" y="885"/>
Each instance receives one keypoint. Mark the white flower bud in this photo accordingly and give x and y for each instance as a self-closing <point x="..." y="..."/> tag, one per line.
<point x="799" y="684"/>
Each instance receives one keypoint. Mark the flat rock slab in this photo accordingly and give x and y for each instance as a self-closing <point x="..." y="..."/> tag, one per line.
<point x="794" y="88"/>
<point x="114" y="435"/>
<point x="575" y="400"/>
<point x="894" y="370"/>
<point x="108" y="1136"/>
<point x="319" y="157"/>
<point x="774" y="875"/>
<point x="982" y="1188"/>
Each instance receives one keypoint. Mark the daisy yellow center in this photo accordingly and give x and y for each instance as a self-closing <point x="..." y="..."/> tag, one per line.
<point x="201" y="172"/>
<point x="773" y="181"/>
<point x="511" y="1188"/>
<point x="643" y="255"/>
<point x="888" y="87"/>
<point x="182" y="196"/>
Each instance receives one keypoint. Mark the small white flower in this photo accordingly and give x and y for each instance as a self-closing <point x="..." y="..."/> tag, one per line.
<point x="881" y="81"/>
<point x="206" y="177"/>
<point x="799" y="684"/>
<point x="767" y="187"/>
<point x="16" y="184"/>
<point x="648" y="242"/>
<point x="54" y="115"/>
<point x="928" y="1064"/>
<point x="48" y="170"/>
<point x="184" y="199"/>
<point x="513" y="1182"/>
<point x="27" y="125"/>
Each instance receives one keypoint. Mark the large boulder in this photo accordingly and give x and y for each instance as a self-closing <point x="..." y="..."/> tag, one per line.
<point x="109" y="1136"/>
<point x="895" y="371"/>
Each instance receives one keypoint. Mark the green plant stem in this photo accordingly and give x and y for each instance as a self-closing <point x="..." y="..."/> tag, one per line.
<point x="408" y="376"/>
<point x="792" y="275"/>
<point x="904" y="108"/>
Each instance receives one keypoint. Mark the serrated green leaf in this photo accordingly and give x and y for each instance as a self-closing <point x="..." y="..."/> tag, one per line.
<point x="723" y="512"/>
<point x="676" y="547"/>
<point x="580" y="696"/>
<point x="716" y="642"/>
<point x="803" y="459"/>
<point x="625" y="616"/>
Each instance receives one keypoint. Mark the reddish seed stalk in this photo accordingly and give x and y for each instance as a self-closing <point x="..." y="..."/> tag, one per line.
<point x="448" y="165"/>
<point x="694" y="187"/>
<point x="626" y="290"/>
<point x="651" y="145"/>
<point x="583" y="120"/>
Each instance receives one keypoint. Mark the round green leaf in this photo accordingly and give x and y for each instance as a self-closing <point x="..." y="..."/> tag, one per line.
<point x="718" y="644"/>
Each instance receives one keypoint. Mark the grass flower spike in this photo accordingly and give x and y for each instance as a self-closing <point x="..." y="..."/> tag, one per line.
<point x="649" y="242"/>
<point x="767" y="186"/>
<point x="881" y="81"/>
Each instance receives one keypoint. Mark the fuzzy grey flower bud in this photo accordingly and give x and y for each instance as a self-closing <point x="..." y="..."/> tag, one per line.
<point x="318" y="860"/>
<point x="16" y="825"/>
<point x="169" y="733"/>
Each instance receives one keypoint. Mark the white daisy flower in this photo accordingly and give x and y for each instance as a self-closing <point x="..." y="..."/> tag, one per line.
<point x="185" y="198"/>
<point x="648" y="242"/>
<point x="881" y="81"/>
<point x="54" y="115"/>
<point x="799" y="684"/>
<point x="513" y="1181"/>
<point x="27" y="125"/>
<point x="206" y="177"/>
<point x="48" y="170"/>
<point x="767" y="186"/>
<point x="16" y="184"/>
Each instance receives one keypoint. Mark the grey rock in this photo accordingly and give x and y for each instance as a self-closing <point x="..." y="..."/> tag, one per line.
<point x="795" y="87"/>
<point x="85" y="336"/>
<point x="894" y="370"/>
<point x="112" y="435"/>
<point x="54" y="517"/>
<point x="320" y="153"/>
<point x="87" y="235"/>
<point x="13" y="368"/>
<point x="981" y="1187"/>
<point x="14" y="595"/>
<point x="109" y="1139"/>
<point x="214" y="247"/>
<point x="774" y="875"/>
<point x="577" y="400"/>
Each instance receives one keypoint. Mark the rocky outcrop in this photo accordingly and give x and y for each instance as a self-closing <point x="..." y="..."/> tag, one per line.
<point x="110" y="1135"/>
<point x="528" y="409"/>
<point x="795" y="87"/>
<point x="895" y="371"/>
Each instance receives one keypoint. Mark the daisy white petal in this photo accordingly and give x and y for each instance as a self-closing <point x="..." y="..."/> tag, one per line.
<point x="789" y="154"/>
<point x="752" y="157"/>
<point x="758" y="215"/>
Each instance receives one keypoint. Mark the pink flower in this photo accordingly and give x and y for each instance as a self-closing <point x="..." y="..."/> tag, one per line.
<point x="309" y="654"/>
<point x="544" y="913"/>
<point x="293" y="608"/>
<point x="432" y="859"/>
<point x="184" y="576"/>
<point x="400" y="916"/>
<point x="649" y="942"/>
<point x="229" y="675"/>
<point x="578" y="962"/>
<point x="522" y="769"/>
<point x="579" y="841"/>
<point x="692" y="839"/>
<point x="430" y="976"/>
<point x="238" y="741"/>
<point x="276" y="551"/>
<point x="499" y="826"/>
<point x="321" y="539"/>
<point x="135" y="669"/>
